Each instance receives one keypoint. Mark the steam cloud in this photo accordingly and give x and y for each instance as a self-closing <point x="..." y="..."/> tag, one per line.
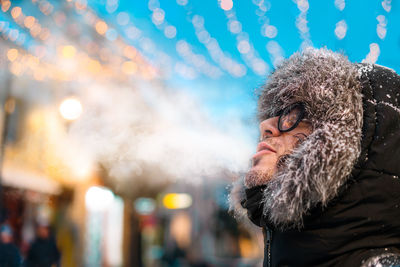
<point x="126" y="129"/>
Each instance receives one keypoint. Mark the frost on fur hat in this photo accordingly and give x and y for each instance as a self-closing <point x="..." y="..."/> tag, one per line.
<point x="328" y="85"/>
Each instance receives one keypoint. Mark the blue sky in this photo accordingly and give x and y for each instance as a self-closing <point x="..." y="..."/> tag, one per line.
<point x="222" y="56"/>
<point x="228" y="92"/>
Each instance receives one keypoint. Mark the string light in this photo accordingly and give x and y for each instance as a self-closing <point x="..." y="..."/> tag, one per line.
<point x="274" y="50"/>
<point x="183" y="48"/>
<point x="16" y="12"/>
<point x="29" y="22"/>
<point x="5" y="5"/>
<point x="245" y="47"/>
<point x="101" y="27"/>
<point x="12" y="54"/>
<point x="381" y="31"/>
<point x="341" y="26"/>
<point x="226" y="4"/>
<point x="220" y="57"/>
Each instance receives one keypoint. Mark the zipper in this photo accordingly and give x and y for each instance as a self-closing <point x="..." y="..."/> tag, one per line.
<point x="269" y="238"/>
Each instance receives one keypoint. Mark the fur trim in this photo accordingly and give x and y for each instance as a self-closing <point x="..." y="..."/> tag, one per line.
<point x="328" y="84"/>
<point x="236" y="196"/>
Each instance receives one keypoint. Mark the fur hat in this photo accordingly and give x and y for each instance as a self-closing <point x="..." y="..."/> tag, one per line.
<point x="328" y="85"/>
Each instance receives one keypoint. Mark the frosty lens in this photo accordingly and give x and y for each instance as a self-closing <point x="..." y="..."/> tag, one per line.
<point x="291" y="117"/>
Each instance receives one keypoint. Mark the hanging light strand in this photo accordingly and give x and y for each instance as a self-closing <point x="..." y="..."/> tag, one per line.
<point x="244" y="45"/>
<point x="220" y="57"/>
<point x="183" y="48"/>
<point x="381" y="31"/>
<point x="302" y="23"/>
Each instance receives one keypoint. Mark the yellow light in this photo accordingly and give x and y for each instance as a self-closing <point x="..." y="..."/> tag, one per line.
<point x="15" y="12"/>
<point x="177" y="201"/>
<point x="129" y="67"/>
<point x="101" y="27"/>
<point x="29" y="21"/>
<point x="12" y="54"/>
<point x="94" y="66"/>
<point x="70" y="109"/>
<point x="5" y="5"/>
<point x="68" y="51"/>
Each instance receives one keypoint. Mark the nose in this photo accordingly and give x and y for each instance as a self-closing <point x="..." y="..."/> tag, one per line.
<point x="269" y="128"/>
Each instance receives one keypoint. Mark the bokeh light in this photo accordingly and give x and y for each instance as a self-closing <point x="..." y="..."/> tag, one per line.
<point x="68" y="51"/>
<point x="16" y="12"/>
<point x="226" y="4"/>
<point x="98" y="198"/>
<point x="70" y="109"/>
<point x="12" y="54"/>
<point x="101" y="27"/>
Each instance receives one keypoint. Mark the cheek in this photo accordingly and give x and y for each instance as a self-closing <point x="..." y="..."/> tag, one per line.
<point x="289" y="144"/>
<point x="266" y="162"/>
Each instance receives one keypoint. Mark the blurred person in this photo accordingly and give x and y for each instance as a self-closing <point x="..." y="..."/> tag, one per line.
<point x="43" y="251"/>
<point x="324" y="183"/>
<point x="9" y="253"/>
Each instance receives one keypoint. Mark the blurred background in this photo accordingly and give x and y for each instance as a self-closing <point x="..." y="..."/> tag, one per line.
<point x="123" y="123"/>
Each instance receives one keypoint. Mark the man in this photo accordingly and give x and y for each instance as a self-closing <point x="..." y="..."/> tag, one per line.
<point x="324" y="184"/>
<point x="9" y="253"/>
<point x="43" y="251"/>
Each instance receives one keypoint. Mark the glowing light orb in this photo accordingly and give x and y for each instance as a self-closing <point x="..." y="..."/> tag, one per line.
<point x="70" y="109"/>
<point x="226" y="4"/>
<point x="101" y="27"/>
<point x="98" y="198"/>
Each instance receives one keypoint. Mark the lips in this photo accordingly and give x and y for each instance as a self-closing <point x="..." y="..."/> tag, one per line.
<point x="262" y="149"/>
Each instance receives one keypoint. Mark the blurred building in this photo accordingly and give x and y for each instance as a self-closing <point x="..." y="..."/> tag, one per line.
<point x="100" y="213"/>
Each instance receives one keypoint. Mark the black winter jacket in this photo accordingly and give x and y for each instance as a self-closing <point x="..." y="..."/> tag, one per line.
<point x="343" y="209"/>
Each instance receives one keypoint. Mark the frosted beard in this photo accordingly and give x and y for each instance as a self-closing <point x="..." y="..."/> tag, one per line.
<point x="261" y="177"/>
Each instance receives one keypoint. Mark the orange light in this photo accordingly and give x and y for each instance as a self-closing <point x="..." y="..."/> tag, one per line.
<point x="12" y="54"/>
<point x="5" y="5"/>
<point x="94" y="66"/>
<point x="44" y="35"/>
<point x="29" y="21"/>
<point x="101" y="27"/>
<point x="130" y="52"/>
<point x="16" y="12"/>
<point x="35" y="30"/>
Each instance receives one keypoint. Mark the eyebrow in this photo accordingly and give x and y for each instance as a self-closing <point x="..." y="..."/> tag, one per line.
<point x="301" y="134"/>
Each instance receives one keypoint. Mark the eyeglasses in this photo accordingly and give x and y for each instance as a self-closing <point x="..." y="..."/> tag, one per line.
<point x="290" y="117"/>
